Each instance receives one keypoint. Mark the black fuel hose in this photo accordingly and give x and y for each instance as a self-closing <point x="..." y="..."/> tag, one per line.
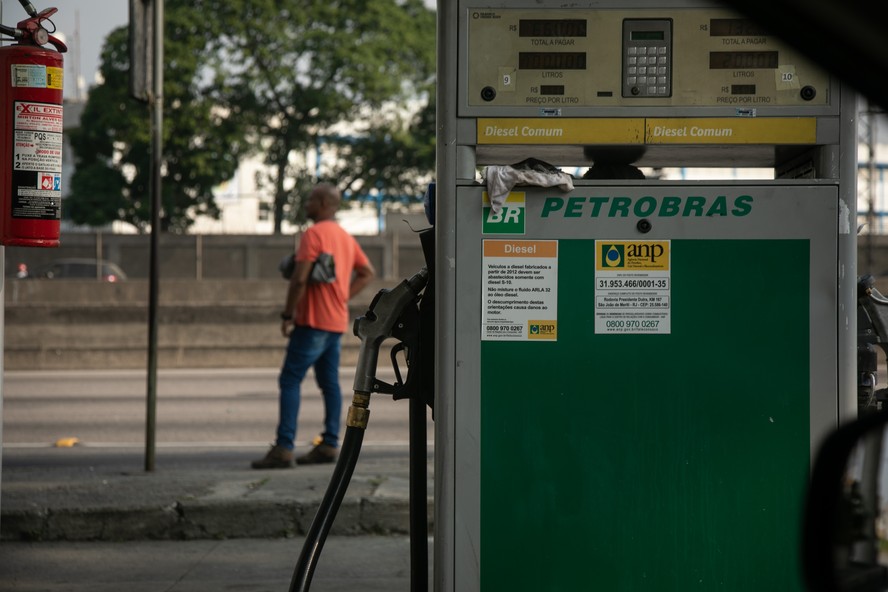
<point x="323" y="520"/>
<point x="372" y="329"/>
<point x="419" y="522"/>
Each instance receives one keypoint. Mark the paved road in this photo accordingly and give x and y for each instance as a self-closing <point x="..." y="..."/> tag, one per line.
<point x="208" y="420"/>
<point x="348" y="564"/>
<point x="234" y="408"/>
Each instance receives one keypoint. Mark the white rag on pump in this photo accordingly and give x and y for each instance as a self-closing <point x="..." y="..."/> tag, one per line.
<point x="501" y="179"/>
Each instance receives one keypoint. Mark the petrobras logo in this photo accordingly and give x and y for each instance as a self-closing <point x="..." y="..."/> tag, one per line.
<point x="669" y="206"/>
<point x="632" y="255"/>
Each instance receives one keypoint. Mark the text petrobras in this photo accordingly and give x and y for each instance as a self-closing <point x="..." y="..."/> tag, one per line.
<point x="668" y="206"/>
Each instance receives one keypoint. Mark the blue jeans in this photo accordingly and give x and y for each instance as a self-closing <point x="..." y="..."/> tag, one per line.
<point x="310" y="347"/>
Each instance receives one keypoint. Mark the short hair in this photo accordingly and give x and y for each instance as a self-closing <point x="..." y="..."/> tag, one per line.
<point x="329" y="192"/>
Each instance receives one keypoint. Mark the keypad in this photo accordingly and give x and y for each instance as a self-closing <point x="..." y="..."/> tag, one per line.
<point x="647" y="70"/>
<point x="647" y="58"/>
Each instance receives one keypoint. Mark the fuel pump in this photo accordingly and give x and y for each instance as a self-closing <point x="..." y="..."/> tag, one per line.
<point x="623" y="398"/>
<point x="31" y="132"/>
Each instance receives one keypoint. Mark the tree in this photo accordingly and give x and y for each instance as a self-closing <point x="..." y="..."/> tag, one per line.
<point x="392" y="156"/>
<point x="273" y="76"/>
<point x="294" y="70"/>
<point x="202" y="144"/>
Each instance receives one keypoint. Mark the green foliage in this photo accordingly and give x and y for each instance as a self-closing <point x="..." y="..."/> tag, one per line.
<point x="271" y="76"/>
<point x="392" y="157"/>
<point x="294" y="69"/>
<point x="112" y="147"/>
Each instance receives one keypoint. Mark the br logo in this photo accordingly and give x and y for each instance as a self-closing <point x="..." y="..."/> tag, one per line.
<point x="506" y="215"/>
<point x="509" y="219"/>
<point x="612" y="256"/>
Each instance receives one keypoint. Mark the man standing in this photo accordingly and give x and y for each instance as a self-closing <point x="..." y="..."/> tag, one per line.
<point x="314" y="318"/>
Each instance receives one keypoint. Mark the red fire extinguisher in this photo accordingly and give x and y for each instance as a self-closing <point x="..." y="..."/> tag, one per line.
<point x="31" y="133"/>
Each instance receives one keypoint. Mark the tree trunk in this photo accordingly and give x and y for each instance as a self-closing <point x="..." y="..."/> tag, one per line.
<point x="280" y="195"/>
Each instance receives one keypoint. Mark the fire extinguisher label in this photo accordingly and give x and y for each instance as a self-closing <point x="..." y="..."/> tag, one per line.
<point x="36" y="151"/>
<point x="43" y="117"/>
<point x="37" y="160"/>
<point x="36" y="76"/>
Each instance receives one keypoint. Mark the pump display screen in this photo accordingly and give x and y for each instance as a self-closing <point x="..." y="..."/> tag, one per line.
<point x="552" y="28"/>
<point x="724" y="27"/>
<point x="647" y="35"/>
<point x="551" y="60"/>
<point x="738" y="60"/>
<point x="541" y="58"/>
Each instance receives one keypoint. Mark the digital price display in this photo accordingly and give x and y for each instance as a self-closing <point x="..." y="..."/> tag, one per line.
<point x="552" y="28"/>
<point x="731" y="27"/>
<point x="742" y="60"/>
<point x="551" y="60"/>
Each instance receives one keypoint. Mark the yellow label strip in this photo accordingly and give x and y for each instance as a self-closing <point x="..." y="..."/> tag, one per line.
<point x="690" y="130"/>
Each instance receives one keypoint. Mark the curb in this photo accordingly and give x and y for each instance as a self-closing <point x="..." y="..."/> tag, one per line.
<point x="198" y="505"/>
<point x="194" y="520"/>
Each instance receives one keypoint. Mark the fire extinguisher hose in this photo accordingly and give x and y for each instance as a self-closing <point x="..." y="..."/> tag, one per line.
<point x="339" y="481"/>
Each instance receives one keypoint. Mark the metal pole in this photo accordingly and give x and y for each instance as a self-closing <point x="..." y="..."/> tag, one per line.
<point x="396" y="253"/>
<point x="156" y="102"/>
<point x="198" y="256"/>
<point x="99" y="258"/>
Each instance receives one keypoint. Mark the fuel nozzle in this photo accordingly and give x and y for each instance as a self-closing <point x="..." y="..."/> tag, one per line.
<point x="867" y="368"/>
<point x="418" y="281"/>
<point x="391" y="314"/>
<point x="872" y="333"/>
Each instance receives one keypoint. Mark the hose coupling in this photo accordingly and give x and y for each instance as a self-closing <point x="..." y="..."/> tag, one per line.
<point x="359" y="412"/>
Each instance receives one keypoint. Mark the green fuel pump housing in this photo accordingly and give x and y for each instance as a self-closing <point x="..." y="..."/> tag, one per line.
<point x="632" y="374"/>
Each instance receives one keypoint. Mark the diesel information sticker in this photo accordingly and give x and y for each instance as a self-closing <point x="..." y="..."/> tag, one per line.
<point x="632" y="286"/>
<point x="520" y="290"/>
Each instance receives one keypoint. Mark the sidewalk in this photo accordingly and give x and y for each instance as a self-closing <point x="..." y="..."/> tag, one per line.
<point x="347" y="564"/>
<point x="63" y="499"/>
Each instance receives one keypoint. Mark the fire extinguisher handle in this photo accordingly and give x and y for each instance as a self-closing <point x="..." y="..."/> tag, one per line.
<point x="31" y="31"/>
<point x="57" y="43"/>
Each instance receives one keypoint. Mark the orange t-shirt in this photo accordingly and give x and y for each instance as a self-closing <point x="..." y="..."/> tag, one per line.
<point x="325" y="306"/>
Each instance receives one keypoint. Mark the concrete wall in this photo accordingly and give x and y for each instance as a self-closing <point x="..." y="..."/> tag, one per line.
<point x="200" y="257"/>
<point x="219" y="302"/>
<point x="83" y="324"/>
<point x="212" y="322"/>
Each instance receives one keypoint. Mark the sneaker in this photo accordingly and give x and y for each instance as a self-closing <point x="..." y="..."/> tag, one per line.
<point x="277" y="458"/>
<point x="322" y="453"/>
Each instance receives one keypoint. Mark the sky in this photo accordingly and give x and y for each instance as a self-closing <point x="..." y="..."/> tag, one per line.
<point x="96" y="19"/>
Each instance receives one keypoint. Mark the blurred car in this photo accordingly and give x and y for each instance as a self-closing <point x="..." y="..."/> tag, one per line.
<point x="81" y="269"/>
